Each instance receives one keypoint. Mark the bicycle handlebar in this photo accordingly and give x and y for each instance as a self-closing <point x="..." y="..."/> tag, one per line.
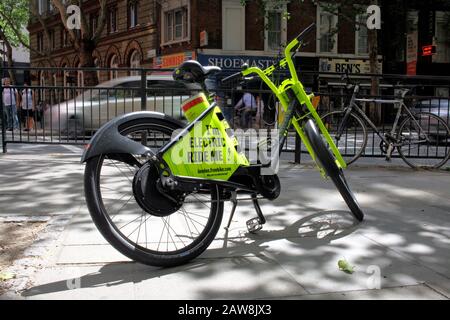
<point x="305" y="32"/>
<point x="232" y="77"/>
<point x="292" y="47"/>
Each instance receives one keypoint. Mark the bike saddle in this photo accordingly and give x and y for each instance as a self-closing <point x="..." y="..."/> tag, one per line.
<point x="193" y="71"/>
<point x="403" y="92"/>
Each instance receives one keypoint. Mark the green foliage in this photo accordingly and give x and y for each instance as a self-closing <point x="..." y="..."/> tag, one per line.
<point x="16" y="12"/>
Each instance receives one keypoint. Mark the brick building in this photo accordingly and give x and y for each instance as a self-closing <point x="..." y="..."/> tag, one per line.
<point x="129" y="39"/>
<point x="225" y="33"/>
<point x="163" y="33"/>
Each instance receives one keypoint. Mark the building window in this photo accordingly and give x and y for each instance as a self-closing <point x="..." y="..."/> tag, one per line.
<point x="327" y="31"/>
<point x="52" y="39"/>
<point x="176" y="25"/>
<point x="442" y="37"/>
<point x="40" y="42"/>
<point x="42" y="6"/>
<point x="112" y="20"/>
<point x="64" y="38"/>
<point x="132" y="14"/>
<point x="135" y="63"/>
<point x="113" y="64"/>
<point x="275" y="30"/>
<point x="361" y="35"/>
<point x="233" y="25"/>
<point x="93" y="23"/>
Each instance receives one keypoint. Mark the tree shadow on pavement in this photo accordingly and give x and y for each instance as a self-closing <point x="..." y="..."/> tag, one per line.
<point x="323" y="226"/>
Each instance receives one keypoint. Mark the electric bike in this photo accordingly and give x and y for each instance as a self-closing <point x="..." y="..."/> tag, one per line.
<point x="155" y="187"/>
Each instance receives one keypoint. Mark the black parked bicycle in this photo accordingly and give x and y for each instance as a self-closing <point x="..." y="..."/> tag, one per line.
<point x="421" y="139"/>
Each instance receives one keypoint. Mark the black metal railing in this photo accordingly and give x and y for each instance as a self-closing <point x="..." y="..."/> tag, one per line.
<point x="69" y="112"/>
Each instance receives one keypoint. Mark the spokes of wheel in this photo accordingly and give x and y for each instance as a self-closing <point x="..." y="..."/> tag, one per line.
<point x="424" y="141"/>
<point x="353" y="140"/>
<point x="162" y="234"/>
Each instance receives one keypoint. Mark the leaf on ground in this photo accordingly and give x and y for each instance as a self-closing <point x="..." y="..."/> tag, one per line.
<point x="345" y="266"/>
<point x="6" y="276"/>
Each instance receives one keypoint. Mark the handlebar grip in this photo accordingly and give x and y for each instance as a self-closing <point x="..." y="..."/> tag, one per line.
<point x="305" y="32"/>
<point x="231" y="77"/>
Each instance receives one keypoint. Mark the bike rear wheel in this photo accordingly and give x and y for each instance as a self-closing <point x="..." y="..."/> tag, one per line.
<point x="353" y="140"/>
<point x="136" y="216"/>
<point x="425" y="141"/>
<point x="327" y="161"/>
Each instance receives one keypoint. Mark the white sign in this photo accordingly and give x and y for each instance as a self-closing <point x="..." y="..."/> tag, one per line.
<point x="151" y="53"/>
<point x="361" y="66"/>
<point x="203" y="38"/>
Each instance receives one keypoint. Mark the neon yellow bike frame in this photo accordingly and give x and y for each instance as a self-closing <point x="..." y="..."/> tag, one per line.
<point x="297" y="87"/>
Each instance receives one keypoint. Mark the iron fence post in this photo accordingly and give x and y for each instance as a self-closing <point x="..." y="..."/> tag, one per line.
<point x="2" y="115"/>
<point x="143" y="89"/>
<point x="298" y="149"/>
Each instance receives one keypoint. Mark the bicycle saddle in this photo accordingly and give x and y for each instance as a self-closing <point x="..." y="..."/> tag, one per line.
<point x="193" y="71"/>
<point x="403" y="92"/>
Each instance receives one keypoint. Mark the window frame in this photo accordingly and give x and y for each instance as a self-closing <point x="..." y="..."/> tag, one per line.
<point x="112" y="10"/>
<point x="283" y="27"/>
<point x="113" y="74"/>
<point x="133" y="16"/>
<point x="130" y="62"/>
<point x="40" y="41"/>
<point x="319" y="35"/>
<point x="357" y="34"/>
<point x="168" y="35"/>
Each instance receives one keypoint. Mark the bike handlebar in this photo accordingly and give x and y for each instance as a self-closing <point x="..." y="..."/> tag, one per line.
<point x="232" y="77"/>
<point x="306" y="31"/>
<point x="290" y="48"/>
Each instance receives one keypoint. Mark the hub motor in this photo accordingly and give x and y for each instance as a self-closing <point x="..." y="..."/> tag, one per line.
<point x="150" y="196"/>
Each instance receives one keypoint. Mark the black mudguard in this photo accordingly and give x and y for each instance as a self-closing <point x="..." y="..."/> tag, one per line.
<point x="108" y="140"/>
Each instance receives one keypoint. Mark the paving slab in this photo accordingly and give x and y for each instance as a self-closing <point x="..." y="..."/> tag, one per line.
<point x="230" y="278"/>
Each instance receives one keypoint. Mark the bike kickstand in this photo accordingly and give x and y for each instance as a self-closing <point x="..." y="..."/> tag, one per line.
<point x="234" y="202"/>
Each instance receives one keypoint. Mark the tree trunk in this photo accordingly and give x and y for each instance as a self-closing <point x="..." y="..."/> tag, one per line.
<point x="87" y="48"/>
<point x="10" y="60"/>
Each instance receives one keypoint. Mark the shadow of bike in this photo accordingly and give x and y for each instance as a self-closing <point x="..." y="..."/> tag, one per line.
<point x="323" y="227"/>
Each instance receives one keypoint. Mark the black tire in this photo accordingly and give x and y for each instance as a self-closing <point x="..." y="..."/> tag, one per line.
<point x="428" y="154"/>
<point x="134" y="249"/>
<point x="354" y="129"/>
<point x="327" y="161"/>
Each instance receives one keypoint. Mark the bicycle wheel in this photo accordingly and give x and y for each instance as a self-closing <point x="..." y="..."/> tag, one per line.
<point x="140" y="219"/>
<point x="424" y="141"/>
<point x="353" y="140"/>
<point x="328" y="163"/>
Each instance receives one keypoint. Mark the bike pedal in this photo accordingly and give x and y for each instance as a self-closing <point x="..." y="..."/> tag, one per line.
<point x="254" y="225"/>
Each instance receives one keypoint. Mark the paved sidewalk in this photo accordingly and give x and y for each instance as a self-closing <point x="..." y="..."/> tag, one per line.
<point x="403" y="243"/>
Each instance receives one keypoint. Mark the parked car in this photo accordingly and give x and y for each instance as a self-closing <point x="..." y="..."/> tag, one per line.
<point x="439" y="107"/>
<point x="94" y="107"/>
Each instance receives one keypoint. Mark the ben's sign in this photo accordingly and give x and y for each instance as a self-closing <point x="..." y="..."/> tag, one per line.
<point x="361" y="66"/>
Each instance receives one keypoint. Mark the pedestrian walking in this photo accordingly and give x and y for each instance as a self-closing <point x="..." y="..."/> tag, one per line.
<point x="10" y="99"/>
<point x="247" y="107"/>
<point x="28" y="107"/>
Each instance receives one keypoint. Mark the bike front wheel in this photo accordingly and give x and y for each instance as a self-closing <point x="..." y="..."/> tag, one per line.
<point x="328" y="162"/>
<point x="352" y="141"/>
<point x="424" y="141"/>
